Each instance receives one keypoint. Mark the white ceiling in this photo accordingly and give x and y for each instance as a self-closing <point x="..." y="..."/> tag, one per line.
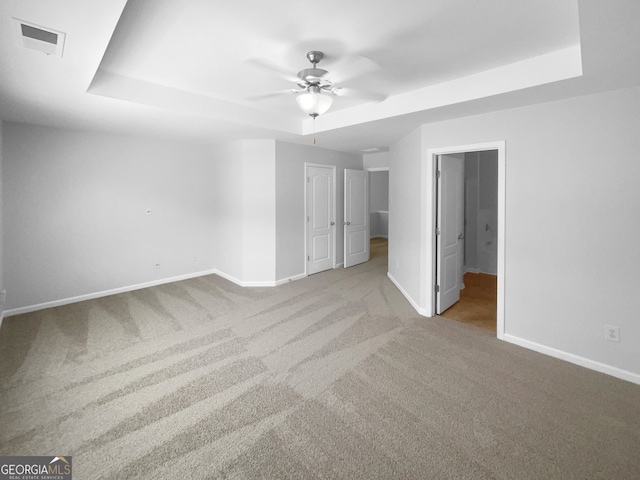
<point x="185" y="69"/>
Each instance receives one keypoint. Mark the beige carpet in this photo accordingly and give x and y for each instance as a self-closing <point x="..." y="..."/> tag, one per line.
<point x="334" y="376"/>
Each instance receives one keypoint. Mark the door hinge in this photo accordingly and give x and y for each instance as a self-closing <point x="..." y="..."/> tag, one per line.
<point x="438" y="174"/>
<point x="308" y="258"/>
<point x="308" y="180"/>
<point x="307" y="218"/>
<point x="437" y="288"/>
<point x="437" y="231"/>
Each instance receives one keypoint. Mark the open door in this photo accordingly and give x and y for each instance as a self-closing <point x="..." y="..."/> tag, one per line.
<point x="320" y="218"/>
<point x="356" y="217"/>
<point x="449" y="228"/>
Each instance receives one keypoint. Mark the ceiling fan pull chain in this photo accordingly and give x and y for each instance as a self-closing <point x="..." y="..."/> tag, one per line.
<point x="314" y="129"/>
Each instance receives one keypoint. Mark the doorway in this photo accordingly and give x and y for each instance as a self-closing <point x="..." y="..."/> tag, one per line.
<point x="428" y="270"/>
<point x="471" y="226"/>
<point x="379" y="202"/>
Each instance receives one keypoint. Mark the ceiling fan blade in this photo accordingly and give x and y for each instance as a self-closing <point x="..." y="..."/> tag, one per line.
<point x="264" y="96"/>
<point x="360" y="94"/>
<point x="352" y="66"/>
<point x="271" y="67"/>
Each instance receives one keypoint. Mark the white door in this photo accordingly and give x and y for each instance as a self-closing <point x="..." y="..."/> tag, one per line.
<point x="356" y="217"/>
<point x="320" y="218"/>
<point x="449" y="236"/>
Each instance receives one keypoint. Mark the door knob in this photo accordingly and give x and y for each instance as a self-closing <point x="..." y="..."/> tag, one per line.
<point x="348" y="223"/>
<point x="333" y="223"/>
<point x="460" y="236"/>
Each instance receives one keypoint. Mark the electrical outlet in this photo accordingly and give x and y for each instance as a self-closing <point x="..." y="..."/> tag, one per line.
<point x="157" y="265"/>
<point x="3" y="296"/>
<point x="612" y="333"/>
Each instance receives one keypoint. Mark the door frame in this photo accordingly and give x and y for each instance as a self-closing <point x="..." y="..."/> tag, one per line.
<point x="429" y="217"/>
<point x="306" y="212"/>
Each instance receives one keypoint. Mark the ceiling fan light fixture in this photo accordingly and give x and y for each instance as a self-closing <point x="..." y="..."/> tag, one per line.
<point x="314" y="103"/>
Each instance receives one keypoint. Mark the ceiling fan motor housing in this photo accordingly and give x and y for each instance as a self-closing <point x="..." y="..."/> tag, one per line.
<point x="312" y="75"/>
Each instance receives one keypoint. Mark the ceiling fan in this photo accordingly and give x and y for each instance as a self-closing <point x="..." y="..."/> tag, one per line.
<point x="315" y="91"/>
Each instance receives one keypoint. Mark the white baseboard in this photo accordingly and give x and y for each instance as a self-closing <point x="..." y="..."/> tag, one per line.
<point x="291" y="279"/>
<point x="339" y="265"/>
<point x="260" y="284"/>
<point x="264" y="283"/>
<point x="575" y="359"/>
<point x="413" y="303"/>
<point x="477" y="270"/>
<point x="104" y="293"/>
<point x="130" y="288"/>
<point x="242" y="283"/>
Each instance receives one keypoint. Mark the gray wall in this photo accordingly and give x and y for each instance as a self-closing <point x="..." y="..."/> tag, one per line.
<point x="226" y="186"/>
<point x="379" y="203"/>
<point x="481" y="211"/>
<point x="259" y="211"/>
<point x="405" y="198"/>
<point x="75" y="205"/>
<point x="290" y="225"/>
<point x="245" y="214"/>
<point x="379" y="191"/>
<point x="376" y="160"/>
<point x="2" y="304"/>
<point x="75" y="219"/>
<point x="572" y="209"/>
<point x="471" y="211"/>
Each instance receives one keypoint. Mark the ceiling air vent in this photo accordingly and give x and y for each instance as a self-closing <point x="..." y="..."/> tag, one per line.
<point x="35" y="37"/>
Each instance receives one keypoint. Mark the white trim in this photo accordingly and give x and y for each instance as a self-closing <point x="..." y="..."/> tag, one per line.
<point x="377" y="169"/>
<point x="339" y="265"/>
<point x="226" y="276"/>
<point x="104" y="293"/>
<point x="291" y="279"/>
<point x="242" y="283"/>
<point x="413" y="303"/>
<point x="130" y="288"/>
<point x="259" y="283"/>
<point x="575" y="359"/>
<point x="428" y="244"/>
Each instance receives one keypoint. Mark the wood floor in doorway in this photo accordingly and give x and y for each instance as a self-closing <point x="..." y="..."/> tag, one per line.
<point x="477" y="305"/>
